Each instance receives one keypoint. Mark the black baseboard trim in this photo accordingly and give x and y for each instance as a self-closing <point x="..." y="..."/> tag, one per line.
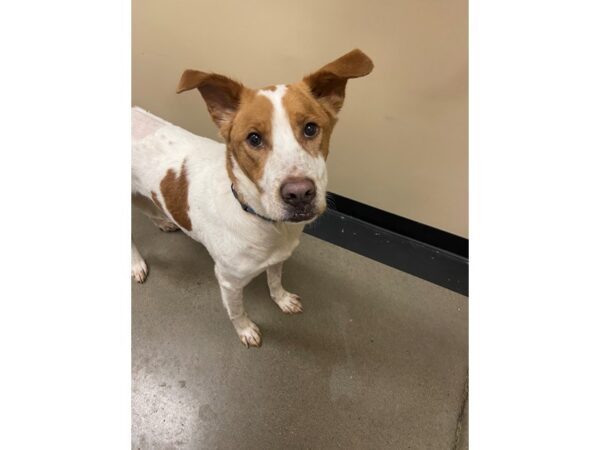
<point x="414" y="248"/>
<point x="400" y="225"/>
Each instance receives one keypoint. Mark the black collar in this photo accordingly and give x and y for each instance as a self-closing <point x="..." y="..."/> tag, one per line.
<point x="247" y="208"/>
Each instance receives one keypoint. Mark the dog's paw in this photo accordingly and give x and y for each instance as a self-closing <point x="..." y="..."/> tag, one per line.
<point x="289" y="303"/>
<point x="166" y="225"/>
<point x="248" y="332"/>
<point x="139" y="270"/>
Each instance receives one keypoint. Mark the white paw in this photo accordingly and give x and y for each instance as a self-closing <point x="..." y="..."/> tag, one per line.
<point x="139" y="270"/>
<point x="248" y="332"/>
<point x="289" y="303"/>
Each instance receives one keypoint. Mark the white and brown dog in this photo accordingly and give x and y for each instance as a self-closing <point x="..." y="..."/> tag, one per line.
<point x="246" y="200"/>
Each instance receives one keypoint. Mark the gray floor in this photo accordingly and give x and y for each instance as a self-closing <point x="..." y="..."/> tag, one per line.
<point x="377" y="360"/>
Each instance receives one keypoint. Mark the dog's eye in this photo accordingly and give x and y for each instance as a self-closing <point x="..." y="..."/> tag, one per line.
<point x="254" y="139"/>
<point x="311" y="129"/>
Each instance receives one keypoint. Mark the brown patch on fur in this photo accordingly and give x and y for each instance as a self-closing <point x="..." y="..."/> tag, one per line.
<point x="328" y="84"/>
<point x="302" y="108"/>
<point x="221" y="94"/>
<point x="175" y="192"/>
<point x="254" y="115"/>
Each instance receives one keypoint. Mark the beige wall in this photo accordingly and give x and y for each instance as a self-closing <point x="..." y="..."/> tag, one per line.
<point x="401" y="142"/>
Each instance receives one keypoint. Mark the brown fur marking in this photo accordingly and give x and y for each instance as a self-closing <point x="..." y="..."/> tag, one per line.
<point x="175" y="192"/>
<point x="328" y="84"/>
<point x="302" y="108"/>
<point x="255" y="114"/>
<point x="221" y="94"/>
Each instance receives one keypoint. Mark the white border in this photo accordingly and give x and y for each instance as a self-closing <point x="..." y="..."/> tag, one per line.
<point x="65" y="319"/>
<point x="535" y="228"/>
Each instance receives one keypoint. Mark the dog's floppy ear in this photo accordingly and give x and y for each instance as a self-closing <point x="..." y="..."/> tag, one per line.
<point x="328" y="84"/>
<point x="221" y="94"/>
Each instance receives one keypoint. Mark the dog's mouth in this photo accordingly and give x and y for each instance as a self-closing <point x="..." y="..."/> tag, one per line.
<point x="302" y="214"/>
<point x="300" y="217"/>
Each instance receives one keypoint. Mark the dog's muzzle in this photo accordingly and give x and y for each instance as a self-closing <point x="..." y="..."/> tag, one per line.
<point x="299" y="194"/>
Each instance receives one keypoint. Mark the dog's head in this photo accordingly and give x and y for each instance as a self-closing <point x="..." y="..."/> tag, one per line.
<point x="278" y="137"/>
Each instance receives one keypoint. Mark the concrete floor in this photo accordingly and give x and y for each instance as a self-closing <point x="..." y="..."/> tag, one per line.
<point x="377" y="360"/>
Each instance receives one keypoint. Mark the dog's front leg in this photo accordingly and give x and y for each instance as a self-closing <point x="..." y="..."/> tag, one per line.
<point x="232" y="289"/>
<point x="289" y="303"/>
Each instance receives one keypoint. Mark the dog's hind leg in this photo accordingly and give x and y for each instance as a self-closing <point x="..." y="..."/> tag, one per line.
<point x="164" y="224"/>
<point x="154" y="213"/>
<point x="139" y="269"/>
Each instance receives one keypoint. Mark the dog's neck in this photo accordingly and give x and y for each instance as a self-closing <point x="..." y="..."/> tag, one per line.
<point x="248" y="208"/>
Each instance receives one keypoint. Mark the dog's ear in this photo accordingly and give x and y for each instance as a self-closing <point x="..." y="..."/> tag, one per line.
<point x="328" y="84"/>
<point x="221" y="94"/>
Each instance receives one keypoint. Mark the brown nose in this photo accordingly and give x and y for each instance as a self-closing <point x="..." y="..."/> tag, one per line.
<point x="298" y="191"/>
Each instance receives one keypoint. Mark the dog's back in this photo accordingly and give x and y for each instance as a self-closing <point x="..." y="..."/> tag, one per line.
<point x="159" y="146"/>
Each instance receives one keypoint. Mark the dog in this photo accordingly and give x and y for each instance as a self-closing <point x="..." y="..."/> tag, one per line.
<point x="246" y="200"/>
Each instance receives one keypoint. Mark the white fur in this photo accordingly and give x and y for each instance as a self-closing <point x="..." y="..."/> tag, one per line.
<point x="139" y="269"/>
<point x="242" y="245"/>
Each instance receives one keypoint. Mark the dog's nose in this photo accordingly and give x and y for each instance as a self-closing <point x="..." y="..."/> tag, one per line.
<point x="298" y="191"/>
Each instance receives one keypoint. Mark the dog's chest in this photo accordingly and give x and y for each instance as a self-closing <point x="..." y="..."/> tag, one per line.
<point x="283" y="250"/>
<point x="255" y="255"/>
